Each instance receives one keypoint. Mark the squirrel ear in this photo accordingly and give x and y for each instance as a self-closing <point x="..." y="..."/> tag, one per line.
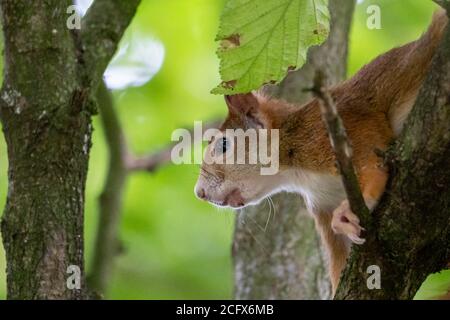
<point x="242" y="103"/>
<point x="245" y="105"/>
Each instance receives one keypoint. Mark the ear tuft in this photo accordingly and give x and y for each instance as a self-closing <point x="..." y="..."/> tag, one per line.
<point x="261" y="95"/>
<point x="247" y="108"/>
<point x="242" y="103"/>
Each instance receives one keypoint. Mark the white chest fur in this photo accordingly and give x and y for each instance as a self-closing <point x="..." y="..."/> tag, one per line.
<point x="322" y="192"/>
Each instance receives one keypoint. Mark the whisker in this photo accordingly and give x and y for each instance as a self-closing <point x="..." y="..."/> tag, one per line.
<point x="220" y="171"/>
<point x="254" y="238"/>
<point x="273" y="206"/>
<point x="207" y="172"/>
<point x="257" y="224"/>
<point x="270" y="214"/>
<point x="211" y="175"/>
<point x="204" y="175"/>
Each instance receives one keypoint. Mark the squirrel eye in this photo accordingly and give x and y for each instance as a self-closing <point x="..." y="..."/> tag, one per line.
<point x="222" y="146"/>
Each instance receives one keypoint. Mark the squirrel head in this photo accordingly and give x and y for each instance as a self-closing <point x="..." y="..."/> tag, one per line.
<point x="236" y="169"/>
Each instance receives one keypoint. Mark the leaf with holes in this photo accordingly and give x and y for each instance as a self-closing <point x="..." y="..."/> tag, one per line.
<point x="261" y="40"/>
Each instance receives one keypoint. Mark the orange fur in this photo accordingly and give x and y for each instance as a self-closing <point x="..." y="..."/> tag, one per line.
<point x="337" y="247"/>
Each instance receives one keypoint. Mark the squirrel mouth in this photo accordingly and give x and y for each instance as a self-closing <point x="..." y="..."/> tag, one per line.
<point x="224" y="204"/>
<point x="233" y="200"/>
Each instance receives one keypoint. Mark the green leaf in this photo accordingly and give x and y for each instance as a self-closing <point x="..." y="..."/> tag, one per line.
<point x="261" y="40"/>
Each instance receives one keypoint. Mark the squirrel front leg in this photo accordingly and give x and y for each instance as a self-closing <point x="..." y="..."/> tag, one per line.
<point x="373" y="177"/>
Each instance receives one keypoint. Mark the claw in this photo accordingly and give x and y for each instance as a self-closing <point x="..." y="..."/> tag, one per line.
<point x="356" y="239"/>
<point x="345" y="222"/>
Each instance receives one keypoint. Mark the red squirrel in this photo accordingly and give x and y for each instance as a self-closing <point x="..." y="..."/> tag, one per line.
<point x="373" y="105"/>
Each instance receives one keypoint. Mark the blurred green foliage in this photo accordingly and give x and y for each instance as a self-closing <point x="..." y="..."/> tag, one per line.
<point x="176" y="247"/>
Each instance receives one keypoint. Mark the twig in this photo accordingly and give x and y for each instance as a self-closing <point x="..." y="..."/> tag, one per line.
<point x="342" y="148"/>
<point x="110" y="200"/>
<point x="153" y="161"/>
<point x="149" y="163"/>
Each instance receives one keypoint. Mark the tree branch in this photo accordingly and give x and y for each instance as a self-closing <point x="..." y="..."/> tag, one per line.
<point x="110" y="201"/>
<point x="153" y="161"/>
<point x="102" y="29"/>
<point x="411" y="237"/>
<point x="342" y="148"/>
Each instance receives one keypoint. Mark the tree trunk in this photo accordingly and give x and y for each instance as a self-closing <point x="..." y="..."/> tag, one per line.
<point x="48" y="141"/>
<point x="277" y="253"/>
<point x="46" y="116"/>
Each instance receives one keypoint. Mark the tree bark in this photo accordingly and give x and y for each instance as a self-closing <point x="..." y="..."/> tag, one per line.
<point x="46" y="109"/>
<point x="277" y="253"/>
<point x="409" y="236"/>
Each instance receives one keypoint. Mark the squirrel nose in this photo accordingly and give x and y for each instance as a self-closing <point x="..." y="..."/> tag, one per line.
<point x="201" y="194"/>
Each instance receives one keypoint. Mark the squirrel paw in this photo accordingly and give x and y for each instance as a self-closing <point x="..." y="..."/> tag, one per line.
<point x="345" y="222"/>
